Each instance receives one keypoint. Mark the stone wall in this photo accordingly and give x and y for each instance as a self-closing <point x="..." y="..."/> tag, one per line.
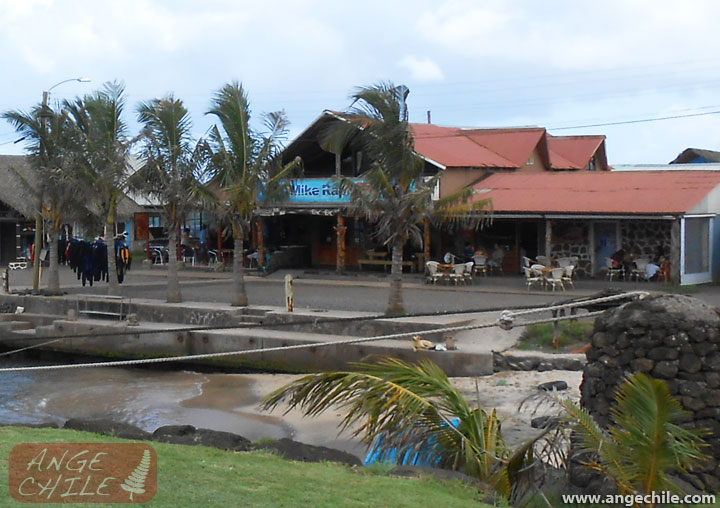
<point x="671" y="337"/>
<point x="644" y="236"/>
<point x="571" y="238"/>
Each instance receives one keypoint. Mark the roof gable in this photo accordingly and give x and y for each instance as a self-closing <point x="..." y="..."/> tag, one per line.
<point x="573" y="152"/>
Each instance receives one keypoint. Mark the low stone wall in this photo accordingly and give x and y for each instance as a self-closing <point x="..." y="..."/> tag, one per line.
<point x="671" y="337"/>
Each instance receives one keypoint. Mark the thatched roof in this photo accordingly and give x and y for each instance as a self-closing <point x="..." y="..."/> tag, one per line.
<point x="13" y="191"/>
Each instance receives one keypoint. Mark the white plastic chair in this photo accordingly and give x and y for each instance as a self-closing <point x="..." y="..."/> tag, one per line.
<point x="563" y="262"/>
<point x="532" y="278"/>
<point x="555" y="278"/>
<point x="468" y="273"/>
<point x="480" y="261"/>
<point x="432" y="272"/>
<point x="544" y="260"/>
<point x="458" y="274"/>
<point x="640" y="270"/>
<point x="568" y="275"/>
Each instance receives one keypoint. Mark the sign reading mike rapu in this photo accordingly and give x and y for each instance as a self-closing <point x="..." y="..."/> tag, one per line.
<point x="316" y="190"/>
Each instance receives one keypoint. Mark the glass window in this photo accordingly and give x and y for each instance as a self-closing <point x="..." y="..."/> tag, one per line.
<point x="697" y="245"/>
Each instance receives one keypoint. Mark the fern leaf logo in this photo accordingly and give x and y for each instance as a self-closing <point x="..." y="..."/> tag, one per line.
<point x="135" y="483"/>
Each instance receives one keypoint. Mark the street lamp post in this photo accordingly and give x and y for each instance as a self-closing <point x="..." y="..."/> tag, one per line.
<point x="38" y="214"/>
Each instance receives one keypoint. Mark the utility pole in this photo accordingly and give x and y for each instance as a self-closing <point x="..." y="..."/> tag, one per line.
<point x="38" y="214"/>
<point x="44" y="114"/>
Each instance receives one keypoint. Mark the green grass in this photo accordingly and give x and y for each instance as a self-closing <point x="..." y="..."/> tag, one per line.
<point x="195" y="476"/>
<point x="572" y="333"/>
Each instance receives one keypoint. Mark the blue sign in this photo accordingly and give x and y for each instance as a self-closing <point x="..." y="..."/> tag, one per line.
<point x="316" y="190"/>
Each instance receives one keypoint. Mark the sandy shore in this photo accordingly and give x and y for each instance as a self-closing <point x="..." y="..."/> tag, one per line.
<point x="504" y="391"/>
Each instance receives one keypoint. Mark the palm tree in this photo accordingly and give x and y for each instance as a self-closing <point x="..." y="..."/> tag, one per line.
<point x="247" y="168"/>
<point x="171" y="170"/>
<point x="417" y="412"/>
<point x="644" y="443"/>
<point x="394" y="192"/>
<point x="47" y="133"/>
<point x="102" y="149"/>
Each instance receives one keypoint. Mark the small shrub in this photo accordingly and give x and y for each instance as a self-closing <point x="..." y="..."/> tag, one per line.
<point x="541" y="335"/>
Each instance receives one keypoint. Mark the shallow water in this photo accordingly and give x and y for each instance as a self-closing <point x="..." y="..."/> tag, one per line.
<point x="143" y="397"/>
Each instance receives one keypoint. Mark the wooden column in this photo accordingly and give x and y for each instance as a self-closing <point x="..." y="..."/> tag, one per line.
<point x="18" y="240"/>
<point x="341" y="230"/>
<point x="675" y="246"/>
<point x="221" y="255"/>
<point x="548" y="237"/>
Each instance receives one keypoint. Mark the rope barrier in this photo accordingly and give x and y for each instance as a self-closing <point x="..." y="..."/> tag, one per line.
<point x="205" y="356"/>
<point x="240" y="326"/>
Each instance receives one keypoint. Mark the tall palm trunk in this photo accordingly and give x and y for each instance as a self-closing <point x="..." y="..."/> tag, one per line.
<point x="54" y="270"/>
<point x="396" y="307"/>
<point x="239" y="297"/>
<point x="113" y="284"/>
<point x="173" y="284"/>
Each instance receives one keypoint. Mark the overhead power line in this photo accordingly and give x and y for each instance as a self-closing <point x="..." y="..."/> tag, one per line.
<point x="643" y="120"/>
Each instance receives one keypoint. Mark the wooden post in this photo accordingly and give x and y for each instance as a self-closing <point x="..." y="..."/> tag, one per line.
<point x="18" y="240"/>
<point x="675" y="246"/>
<point x="548" y="238"/>
<point x="289" y="293"/>
<point x="341" y="230"/>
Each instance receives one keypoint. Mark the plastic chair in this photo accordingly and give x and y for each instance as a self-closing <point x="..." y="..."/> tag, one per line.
<point x="544" y="260"/>
<point x="469" y="272"/>
<point x="480" y="261"/>
<point x="568" y="275"/>
<point x="532" y="278"/>
<point x="640" y="270"/>
<point x="188" y="254"/>
<point x="612" y="272"/>
<point x="432" y="272"/>
<point x="458" y="274"/>
<point x="563" y="262"/>
<point x="556" y="278"/>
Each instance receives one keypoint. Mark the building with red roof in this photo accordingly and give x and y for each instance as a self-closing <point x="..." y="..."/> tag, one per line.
<point x="551" y="195"/>
<point x="591" y="215"/>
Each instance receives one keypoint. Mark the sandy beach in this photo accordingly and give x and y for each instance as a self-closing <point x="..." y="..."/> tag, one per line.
<point x="504" y="391"/>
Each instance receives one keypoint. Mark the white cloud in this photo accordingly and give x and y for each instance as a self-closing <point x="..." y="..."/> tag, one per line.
<point x="422" y="69"/>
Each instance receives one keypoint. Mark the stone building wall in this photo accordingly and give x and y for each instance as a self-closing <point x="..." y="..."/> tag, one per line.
<point x="672" y="337"/>
<point x="572" y="238"/>
<point x="644" y="236"/>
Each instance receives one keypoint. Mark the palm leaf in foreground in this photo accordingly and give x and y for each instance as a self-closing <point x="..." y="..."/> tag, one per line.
<point x="644" y="444"/>
<point x="411" y="407"/>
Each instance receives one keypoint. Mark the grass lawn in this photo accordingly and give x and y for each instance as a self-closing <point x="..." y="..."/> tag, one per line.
<point x="197" y="476"/>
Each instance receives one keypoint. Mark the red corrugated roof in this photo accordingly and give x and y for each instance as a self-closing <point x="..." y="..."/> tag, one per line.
<point x="641" y="192"/>
<point x="572" y="152"/>
<point x="480" y="148"/>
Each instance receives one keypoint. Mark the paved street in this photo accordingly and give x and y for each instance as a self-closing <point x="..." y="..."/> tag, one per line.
<point x="366" y="291"/>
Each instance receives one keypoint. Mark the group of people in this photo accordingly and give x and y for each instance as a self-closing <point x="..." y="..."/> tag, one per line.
<point x="494" y="258"/>
<point x="625" y="259"/>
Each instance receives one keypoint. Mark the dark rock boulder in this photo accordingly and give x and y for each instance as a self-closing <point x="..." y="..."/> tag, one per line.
<point x="189" y="435"/>
<point x="292" y="450"/>
<point x="107" y="427"/>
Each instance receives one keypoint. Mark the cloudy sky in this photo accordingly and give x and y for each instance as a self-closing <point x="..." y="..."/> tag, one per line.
<point x="481" y="63"/>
